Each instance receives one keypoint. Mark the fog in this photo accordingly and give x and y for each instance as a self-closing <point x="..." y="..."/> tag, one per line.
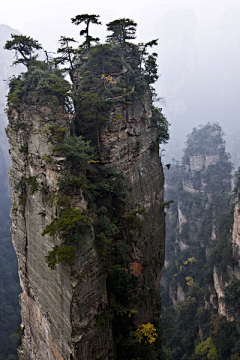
<point x="199" y="52"/>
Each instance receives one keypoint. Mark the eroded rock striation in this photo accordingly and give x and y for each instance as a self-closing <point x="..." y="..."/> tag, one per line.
<point x="46" y="295"/>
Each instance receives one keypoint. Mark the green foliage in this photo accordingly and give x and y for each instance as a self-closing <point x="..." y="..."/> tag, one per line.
<point x="32" y="181"/>
<point x="15" y="91"/>
<point x="78" y="151"/>
<point x="221" y="254"/>
<point x="232" y="299"/>
<point x="151" y="68"/>
<point x="68" y="54"/>
<point x="58" y="254"/>
<point x="144" y="55"/>
<point x="106" y="226"/>
<point x="45" y="157"/>
<point x="122" y="30"/>
<point x="167" y="204"/>
<point x="105" y="246"/>
<point x="69" y="223"/>
<point x="21" y="185"/>
<point x="25" y="46"/>
<point x="39" y="86"/>
<point x="100" y="92"/>
<point x="91" y="112"/>
<point x="163" y="124"/>
<point x="135" y="218"/>
<point x="68" y="182"/>
<point x="23" y="149"/>
<point x="201" y="140"/>
<point x="52" y="128"/>
<point x="207" y="348"/>
<point x="111" y="182"/>
<point x="70" y="226"/>
<point x="87" y="19"/>
<point x="61" y="133"/>
<point x="224" y="336"/>
<point x="51" y="89"/>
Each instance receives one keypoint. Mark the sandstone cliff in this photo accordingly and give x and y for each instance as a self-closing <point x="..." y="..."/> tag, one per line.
<point x="72" y="311"/>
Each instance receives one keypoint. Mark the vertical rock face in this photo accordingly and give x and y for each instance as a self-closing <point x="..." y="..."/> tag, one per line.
<point x="46" y="295"/>
<point x="128" y="143"/>
<point x="60" y="307"/>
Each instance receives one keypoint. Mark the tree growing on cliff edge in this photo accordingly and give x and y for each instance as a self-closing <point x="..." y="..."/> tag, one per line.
<point x="67" y="53"/>
<point x="122" y="30"/>
<point x="87" y="19"/>
<point x="25" y="47"/>
<point x="142" y="47"/>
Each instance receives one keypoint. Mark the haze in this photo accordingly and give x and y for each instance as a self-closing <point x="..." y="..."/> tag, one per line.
<point x="199" y="52"/>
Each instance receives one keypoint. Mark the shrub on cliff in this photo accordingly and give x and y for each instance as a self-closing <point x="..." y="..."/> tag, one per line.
<point x="39" y="86"/>
<point x="79" y="151"/>
<point x="163" y="124"/>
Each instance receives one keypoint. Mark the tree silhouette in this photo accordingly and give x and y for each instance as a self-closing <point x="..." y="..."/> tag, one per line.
<point x="122" y="30"/>
<point x="24" y="46"/>
<point x="87" y="19"/>
<point x="67" y="53"/>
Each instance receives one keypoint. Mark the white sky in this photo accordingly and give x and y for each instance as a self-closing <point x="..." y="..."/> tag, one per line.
<point x="46" y="20"/>
<point x="199" y="49"/>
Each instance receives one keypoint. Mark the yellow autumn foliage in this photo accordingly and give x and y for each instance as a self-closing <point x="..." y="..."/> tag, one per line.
<point x="108" y="79"/>
<point x="147" y="333"/>
<point x="190" y="280"/>
<point x="190" y="260"/>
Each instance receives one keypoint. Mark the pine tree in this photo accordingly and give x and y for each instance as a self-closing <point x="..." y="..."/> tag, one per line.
<point x="122" y="30"/>
<point x="24" y="46"/>
<point x="87" y="19"/>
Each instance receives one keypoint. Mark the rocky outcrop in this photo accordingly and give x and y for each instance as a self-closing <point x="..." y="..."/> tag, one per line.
<point x="201" y="195"/>
<point x="206" y="176"/>
<point x="59" y="307"/>
<point x="176" y="294"/>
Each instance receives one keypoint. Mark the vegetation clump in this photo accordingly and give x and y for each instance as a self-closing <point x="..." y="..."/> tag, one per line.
<point x="42" y="87"/>
<point x="59" y="254"/>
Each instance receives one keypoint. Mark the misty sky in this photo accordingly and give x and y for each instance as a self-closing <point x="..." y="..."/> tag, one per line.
<point x="199" y="53"/>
